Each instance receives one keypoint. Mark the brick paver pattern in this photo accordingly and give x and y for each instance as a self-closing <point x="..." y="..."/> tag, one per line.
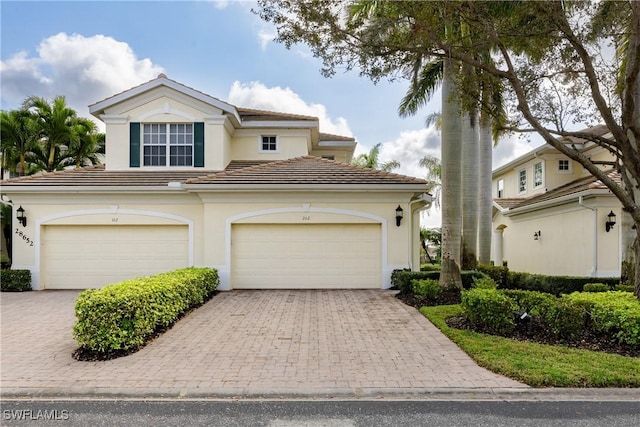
<point x="244" y="341"/>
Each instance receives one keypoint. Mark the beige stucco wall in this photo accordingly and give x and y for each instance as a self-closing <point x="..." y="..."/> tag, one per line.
<point x="338" y="156"/>
<point x="163" y="105"/>
<point x="573" y="240"/>
<point x="552" y="177"/>
<point x="246" y="144"/>
<point x="210" y="218"/>
<point x="113" y="210"/>
<point x="223" y="143"/>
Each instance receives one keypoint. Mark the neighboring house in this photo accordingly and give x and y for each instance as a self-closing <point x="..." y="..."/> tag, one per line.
<point x="550" y="215"/>
<point x="189" y="180"/>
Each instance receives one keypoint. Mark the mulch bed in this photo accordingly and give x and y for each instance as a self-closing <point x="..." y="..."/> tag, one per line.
<point x="530" y="332"/>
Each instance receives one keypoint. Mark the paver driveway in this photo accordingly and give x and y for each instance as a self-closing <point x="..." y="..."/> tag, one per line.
<point x="243" y="342"/>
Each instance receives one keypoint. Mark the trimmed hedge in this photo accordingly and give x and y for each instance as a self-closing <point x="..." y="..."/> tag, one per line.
<point x="615" y="313"/>
<point x="499" y="274"/>
<point x="122" y="316"/>
<point x="15" y="280"/>
<point x="595" y="287"/>
<point x="402" y="279"/>
<point x="556" y="285"/>
<point x="489" y="308"/>
<point x="427" y="288"/>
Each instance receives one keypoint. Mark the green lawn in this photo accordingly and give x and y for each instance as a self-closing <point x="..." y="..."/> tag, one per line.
<point x="539" y="365"/>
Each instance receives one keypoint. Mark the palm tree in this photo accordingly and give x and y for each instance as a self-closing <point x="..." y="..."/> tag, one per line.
<point x="371" y="160"/>
<point x="18" y="136"/>
<point x="434" y="176"/>
<point x="432" y="235"/>
<point x="55" y="122"/>
<point x="451" y="189"/>
<point x="86" y="143"/>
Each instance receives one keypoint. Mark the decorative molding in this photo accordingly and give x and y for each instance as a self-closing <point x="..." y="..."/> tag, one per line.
<point x="114" y="119"/>
<point x="166" y="109"/>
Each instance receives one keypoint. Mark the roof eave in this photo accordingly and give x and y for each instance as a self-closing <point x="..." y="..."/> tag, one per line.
<point x="556" y="201"/>
<point x="254" y="187"/>
<point x="98" y="108"/>
<point x="15" y="189"/>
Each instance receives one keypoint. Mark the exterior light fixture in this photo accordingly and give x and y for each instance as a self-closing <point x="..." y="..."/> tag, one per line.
<point x="537" y="235"/>
<point x="20" y="216"/>
<point x="399" y="215"/>
<point x="611" y="221"/>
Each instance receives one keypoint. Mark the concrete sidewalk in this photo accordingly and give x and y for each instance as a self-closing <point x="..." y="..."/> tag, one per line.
<point x="324" y="343"/>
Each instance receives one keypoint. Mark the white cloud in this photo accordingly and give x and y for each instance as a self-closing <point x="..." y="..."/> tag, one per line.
<point x="510" y="148"/>
<point x="265" y="38"/>
<point x="257" y="95"/>
<point x="220" y="4"/>
<point x="409" y="148"/>
<point x="84" y="69"/>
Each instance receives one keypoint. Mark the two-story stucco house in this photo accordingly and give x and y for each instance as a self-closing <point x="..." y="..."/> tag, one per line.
<point x="552" y="217"/>
<point x="190" y="180"/>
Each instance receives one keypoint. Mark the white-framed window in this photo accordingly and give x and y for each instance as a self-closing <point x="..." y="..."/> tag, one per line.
<point x="500" y="188"/>
<point x="538" y="175"/>
<point x="268" y="143"/>
<point x="522" y="181"/>
<point x="167" y="144"/>
<point x="564" y="166"/>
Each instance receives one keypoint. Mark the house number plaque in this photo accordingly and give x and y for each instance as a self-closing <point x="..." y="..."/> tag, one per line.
<point x="27" y="240"/>
<point x="306" y="218"/>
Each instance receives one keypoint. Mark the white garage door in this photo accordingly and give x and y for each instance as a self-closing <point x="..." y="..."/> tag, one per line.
<point x="79" y="257"/>
<point x="313" y="256"/>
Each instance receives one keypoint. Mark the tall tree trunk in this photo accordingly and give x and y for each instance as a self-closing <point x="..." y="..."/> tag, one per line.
<point x="630" y="269"/>
<point x="451" y="158"/>
<point x="485" y="200"/>
<point x="470" y="189"/>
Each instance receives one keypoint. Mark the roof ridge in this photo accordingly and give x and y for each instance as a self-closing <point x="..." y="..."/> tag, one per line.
<point x="40" y="174"/>
<point x="158" y="77"/>
<point x="259" y="110"/>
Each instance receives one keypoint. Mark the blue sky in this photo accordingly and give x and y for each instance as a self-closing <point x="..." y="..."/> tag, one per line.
<point x="89" y="50"/>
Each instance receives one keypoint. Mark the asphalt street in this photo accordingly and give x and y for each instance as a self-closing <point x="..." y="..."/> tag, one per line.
<point x="327" y="413"/>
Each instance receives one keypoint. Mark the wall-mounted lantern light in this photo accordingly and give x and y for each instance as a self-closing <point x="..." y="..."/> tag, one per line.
<point x="611" y="221"/>
<point x="20" y="216"/>
<point x="399" y="215"/>
<point x="537" y="235"/>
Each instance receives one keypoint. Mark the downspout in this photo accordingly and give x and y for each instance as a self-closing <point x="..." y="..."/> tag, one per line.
<point x="423" y="198"/>
<point x="594" y="270"/>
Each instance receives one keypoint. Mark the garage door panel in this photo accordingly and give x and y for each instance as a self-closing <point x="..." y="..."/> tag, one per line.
<point x="306" y="256"/>
<point x="80" y="257"/>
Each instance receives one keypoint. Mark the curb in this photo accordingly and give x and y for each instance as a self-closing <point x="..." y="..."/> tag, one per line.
<point x="426" y="394"/>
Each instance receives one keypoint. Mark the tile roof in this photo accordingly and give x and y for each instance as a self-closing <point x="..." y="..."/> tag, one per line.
<point x="509" y="203"/>
<point x="248" y="114"/>
<point x="598" y="130"/>
<point x="301" y="170"/>
<point x="579" y="185"/>
<point x="98" y="176"/>
<point x="330" y="137"/>
<point x="305" y="170"/>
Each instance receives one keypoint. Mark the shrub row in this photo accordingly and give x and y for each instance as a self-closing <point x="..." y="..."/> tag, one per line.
<point x="122" y="316"/>
<point x="556" y="285"/>
<point x="616" y="314"/>
<point x="402" y="279"/>
<point x="15" y="280"/>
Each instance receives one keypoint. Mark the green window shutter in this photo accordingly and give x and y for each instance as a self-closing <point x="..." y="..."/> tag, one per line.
<point x="198" y="144"/>
<point x="134" y="144"/>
